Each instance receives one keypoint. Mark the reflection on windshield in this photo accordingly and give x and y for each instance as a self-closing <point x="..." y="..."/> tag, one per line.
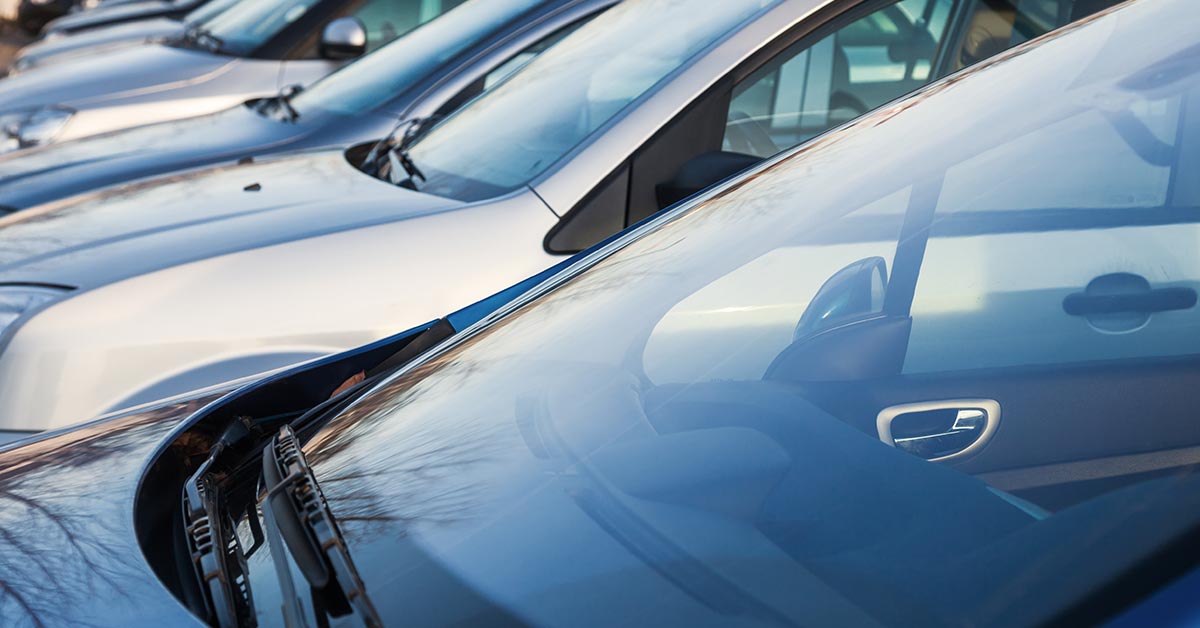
<point x="381" y="76"/>
<point x="575" y="88"/>
<point x="539" y="465"/>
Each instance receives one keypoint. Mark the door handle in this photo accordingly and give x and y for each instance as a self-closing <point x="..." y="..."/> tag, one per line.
<point x="939" y="430"/>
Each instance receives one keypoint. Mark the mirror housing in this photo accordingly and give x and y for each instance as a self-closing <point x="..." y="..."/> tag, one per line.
<point x="852" y="292"/>
<point x="344" y="38"/>
<point x="701" y="172"/>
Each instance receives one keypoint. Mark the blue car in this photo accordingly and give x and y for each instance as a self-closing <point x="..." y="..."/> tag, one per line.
<point x="933" y="368"/>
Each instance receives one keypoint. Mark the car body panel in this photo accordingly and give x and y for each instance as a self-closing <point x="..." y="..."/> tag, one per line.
<point x="170" y="83"/>
<point x="48" y="173"/>
<point x="106" y="14"/>
<point x="116" y="233"/>
<point x="330" y="274"/>
<point x="100" y="39"/>
<point x="68" y="509"/>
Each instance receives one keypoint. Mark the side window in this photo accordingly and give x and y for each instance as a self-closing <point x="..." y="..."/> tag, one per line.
<point x="812" y="88"/>
<point x="386" y="20"/>
<point x="992" y="26"/>
<point x="1085" y="249"/>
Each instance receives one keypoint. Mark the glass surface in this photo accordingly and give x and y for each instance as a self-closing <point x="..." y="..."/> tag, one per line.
<point x="376" y="78"/>
<point x="815" y="86"/>
<point x="244" y="27"/>
<point x="658" y="440"/>
<point x="524" y="125"/>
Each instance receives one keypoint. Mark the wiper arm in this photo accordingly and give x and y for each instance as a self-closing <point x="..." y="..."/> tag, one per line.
<point x="300" y="514"/>
<point x="394" y="152"/>
<point x="283" y="102"/>
<point x="215" y="551"/>
<point x="204" y="38"/>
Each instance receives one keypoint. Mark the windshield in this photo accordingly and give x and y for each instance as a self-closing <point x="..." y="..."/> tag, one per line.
<point x="694" y="429"/>
<point x="249" y="24"/>
<point x="522" y="126"/>
<point x="383" y="75"/>
<point x="207" y="11"/>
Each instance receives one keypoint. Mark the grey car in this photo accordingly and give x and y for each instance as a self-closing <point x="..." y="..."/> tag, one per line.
<point x="92" y="34"/>
<point x="253" y="49"/>
<point x="237" y="269"/>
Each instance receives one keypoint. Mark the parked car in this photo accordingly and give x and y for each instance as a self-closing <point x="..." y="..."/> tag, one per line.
<point x="901" y="376"/>
<point x="307" y="252"/>
<point x="253" y="49"/>
<point x="111" y="12"/>
<point x="98" y="35"/>
<point x="424" y="75"/>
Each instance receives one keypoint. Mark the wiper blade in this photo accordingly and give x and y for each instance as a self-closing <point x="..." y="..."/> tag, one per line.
<point x="214" y="549"/>
<point x="301" y="515"/>
<point x="204" y="38"/>
<point x="283" y="102"/>
<point x="393" y="153"/>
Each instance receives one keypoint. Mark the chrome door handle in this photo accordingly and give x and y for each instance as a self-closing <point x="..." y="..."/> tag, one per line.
<point x="939" y="430"/>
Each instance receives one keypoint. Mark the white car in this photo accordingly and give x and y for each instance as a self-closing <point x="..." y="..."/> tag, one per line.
<point x="134" y="293"/>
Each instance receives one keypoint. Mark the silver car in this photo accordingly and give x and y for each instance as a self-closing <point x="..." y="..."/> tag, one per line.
<point x="59" y="46"/>
<point x="254" y="49"/>
<point x="189" y="279"/>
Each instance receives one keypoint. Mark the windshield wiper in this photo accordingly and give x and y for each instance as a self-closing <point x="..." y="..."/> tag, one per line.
<point x="394" y="153"/>
<point x="214" y="549"/>
<point x="282" y="102"/>
<point x="203" y="38"/>
<point x="299" y="513"/>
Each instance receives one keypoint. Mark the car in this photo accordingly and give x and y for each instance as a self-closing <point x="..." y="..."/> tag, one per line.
<point x="93" y="32"/>
<point x="923" y="370"/>
<point x="253" y="49"/>
<point x="425" y="75"/>
<point x="91" y="15"/>
<point x="318" y="251"/>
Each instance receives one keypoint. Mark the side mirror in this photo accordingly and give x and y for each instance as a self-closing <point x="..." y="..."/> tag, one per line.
<point x="856" y="290"/>
<point x="701" y="172"/>
<point x="344" y="38"/>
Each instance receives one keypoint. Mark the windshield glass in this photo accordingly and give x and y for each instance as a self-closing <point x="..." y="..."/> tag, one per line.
<point x="383" y="75"/>
<point x="247" y="25"/>
<point x="694" y="429"/>
<point x="522" y="126"/>
<point x="207" y="11"/>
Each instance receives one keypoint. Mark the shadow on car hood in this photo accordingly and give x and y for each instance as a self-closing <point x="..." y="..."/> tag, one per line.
<point x="123" y="231"/>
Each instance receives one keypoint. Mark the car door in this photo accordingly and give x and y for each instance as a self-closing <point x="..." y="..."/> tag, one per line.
<point x="799" y="86"/>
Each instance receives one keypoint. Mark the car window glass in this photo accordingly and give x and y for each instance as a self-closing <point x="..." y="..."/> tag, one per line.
<point x="1003" y="299"/>
<point x="386" y="20"/>
<point x="379" y="77"/>
<point x="523" y="57"/>
<point x="575" y="88"/>
<point x="813" y="87"/>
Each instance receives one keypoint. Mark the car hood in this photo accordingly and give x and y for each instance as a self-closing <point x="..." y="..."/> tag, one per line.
<point x="111" y="76"/>
<point x="99" y="40"/>
<point x="127" y="230"/>
<point x="68" y="546"/>
<point x="62" y="169"/>
<point x="110" y="14"/>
